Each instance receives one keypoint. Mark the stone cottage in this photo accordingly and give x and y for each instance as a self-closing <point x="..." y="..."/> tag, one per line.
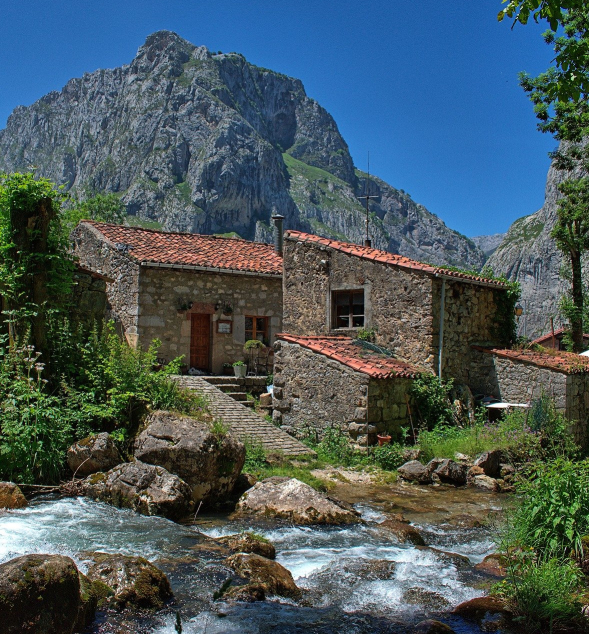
<point x="423" y="318"/>
<point x="520" y="376"/>
<point x="201" y="296"/>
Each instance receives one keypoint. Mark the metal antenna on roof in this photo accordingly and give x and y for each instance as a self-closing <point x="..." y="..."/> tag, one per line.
<point x="367" y="197"/>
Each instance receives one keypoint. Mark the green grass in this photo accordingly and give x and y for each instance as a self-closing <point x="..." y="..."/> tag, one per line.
<point x="135" y="221"/>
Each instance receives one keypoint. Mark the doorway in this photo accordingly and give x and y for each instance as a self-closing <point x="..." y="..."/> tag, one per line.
<point x="200" y="341"/>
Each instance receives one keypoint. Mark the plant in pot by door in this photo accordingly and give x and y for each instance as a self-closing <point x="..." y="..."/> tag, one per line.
<point x="227" y="369"/>
<point x="239" y="368"/>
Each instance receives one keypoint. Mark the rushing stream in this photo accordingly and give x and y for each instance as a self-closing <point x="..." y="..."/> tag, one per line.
<point x="355" y="579"/>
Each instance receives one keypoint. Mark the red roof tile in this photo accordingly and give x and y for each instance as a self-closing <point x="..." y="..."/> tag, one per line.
<point x="342" y="349"/>
<point x="192" y="249"/>
<point x="565" y="362"/>
<point x="557" y="334"/>
<point x="385" y="257"/>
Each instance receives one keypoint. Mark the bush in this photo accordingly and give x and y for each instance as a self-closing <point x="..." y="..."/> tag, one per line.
<point x="432" y="401"/>
<point x="553" y="514"/>
<point x="542" y="594"/>
<point x="389" y="457"/>
<point x="255" y="455"/>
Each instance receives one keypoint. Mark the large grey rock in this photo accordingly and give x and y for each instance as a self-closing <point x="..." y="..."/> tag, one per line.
<point x="490" y="462"/>
<point x="92" y="454"/>
<point x="414" y="471"/>
<point x="274" y="578"/>
<point x="11" y="497"/>
<point x="208" y="463"/>
<point x="450" y="472"/>
<point x="293" y="500"/>
<point x="135" y="582"/>
<point x="210" y="143"/>
<point x="249" y="543"/>
<point x="146" y="488"/>
<point x="42" y="594"/>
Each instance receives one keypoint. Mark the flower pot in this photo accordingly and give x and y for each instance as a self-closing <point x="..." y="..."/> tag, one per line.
<point x="239" y="371"/>
<point x="383" y="440"/>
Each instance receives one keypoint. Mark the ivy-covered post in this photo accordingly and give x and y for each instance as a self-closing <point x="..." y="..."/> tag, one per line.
<point x="35" y="266"/>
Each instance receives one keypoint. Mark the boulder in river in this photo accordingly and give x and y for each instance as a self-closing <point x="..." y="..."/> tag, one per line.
<point x="135" y="582"/>
<point x="293" y="500"/>
<point x="493" y="565"/>
<point x="274" y="578"/>
<point x="486" y="483"/>
<point x="477" y="608"/>
<point x="249" y="543"/>
<point x="431" y="626"/>
<point x="403" y="532"/>
<point x="147" y="489"/>
<point x="93" y="454"/>
<point x="11" y="496"/>
<point x="490" y="462"/>
<point x="208" y="462"/>
<point x="42" y="594"/>
<point x="450" y="472"/>
<point x="414" y="471"/>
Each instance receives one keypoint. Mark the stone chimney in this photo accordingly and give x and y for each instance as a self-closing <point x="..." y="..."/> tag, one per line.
<point x="278" y="233"/>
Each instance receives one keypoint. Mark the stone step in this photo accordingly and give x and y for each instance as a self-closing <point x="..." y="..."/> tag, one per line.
<point x="230" y="387"/>
<point x="224" y="380"/>
<point x="237" y="396"/>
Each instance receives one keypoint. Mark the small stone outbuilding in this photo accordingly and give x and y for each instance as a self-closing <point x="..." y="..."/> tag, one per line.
<point x="521" y="376"/>
<point x="325" y="381"/>
<point x="201" y="296"/>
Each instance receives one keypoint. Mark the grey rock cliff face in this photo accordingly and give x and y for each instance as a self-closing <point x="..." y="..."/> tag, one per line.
<point x="209" y="143"/>
<point x="529" y="256"/>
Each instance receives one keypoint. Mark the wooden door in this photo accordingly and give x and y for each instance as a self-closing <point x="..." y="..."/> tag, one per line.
<point x="200" y="341"/>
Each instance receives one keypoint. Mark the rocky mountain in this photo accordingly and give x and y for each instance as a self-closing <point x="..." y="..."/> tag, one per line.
<point x="529" y="255"/>
<point x="488" y="244"/>
<point x="207" y="142"/>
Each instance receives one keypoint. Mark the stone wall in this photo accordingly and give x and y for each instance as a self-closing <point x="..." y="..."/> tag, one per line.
<point x="398" y="303"/>
<point x="96" y="254"/>
<point x="468" y="320"/>
<point x="89" y="301"/>
<point x="162" y="291"/>
<point x="519" y="382"/>
<point x="402" y="305"/>
<point x="313" y="392"/>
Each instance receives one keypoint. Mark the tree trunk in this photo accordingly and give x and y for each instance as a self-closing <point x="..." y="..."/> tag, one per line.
<point x="577" y="293"/>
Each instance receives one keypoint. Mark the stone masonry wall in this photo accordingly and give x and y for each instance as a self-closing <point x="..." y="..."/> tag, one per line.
<point x="398" y="303"/>
<point x="468" y="320"/>
<point x="403" y="306"/>
<point x="89" y="298"/>
<point x="163" y="291"/>
<point x="517" y="382"/>
<point x="313" y="392"/>
<point x="96" y="254"/>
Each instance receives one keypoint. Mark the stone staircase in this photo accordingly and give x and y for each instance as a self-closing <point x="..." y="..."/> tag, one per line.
<point x="242" y="421"/>
<point x="238" y="388"/>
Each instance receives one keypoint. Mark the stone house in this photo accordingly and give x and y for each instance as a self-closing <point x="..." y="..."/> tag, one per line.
<point x="201" y="296"/>
<point x="556" y="340"/>
<point x="520" y="376"/>
<point x="425" y="318"/>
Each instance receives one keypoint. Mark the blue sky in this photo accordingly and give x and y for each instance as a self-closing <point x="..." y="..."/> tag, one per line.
<point x="429" y="88"/>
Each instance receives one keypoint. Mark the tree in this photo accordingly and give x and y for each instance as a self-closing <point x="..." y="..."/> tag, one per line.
<point x="571" y="234"/>
<point x="560" y="98"/>
<point x="35" y="266"/>
<point x="100" y="207"/>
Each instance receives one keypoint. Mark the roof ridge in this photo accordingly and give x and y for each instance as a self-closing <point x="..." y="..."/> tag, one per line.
<point x="385" y="257"/>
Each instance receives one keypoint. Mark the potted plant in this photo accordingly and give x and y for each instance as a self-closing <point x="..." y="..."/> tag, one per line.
<point x="383" y="439"/>
<point x="239" y="368"/>
<point x="227" y="309"/>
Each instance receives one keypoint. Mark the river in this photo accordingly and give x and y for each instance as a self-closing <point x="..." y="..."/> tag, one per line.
<point x="356" y="580"/>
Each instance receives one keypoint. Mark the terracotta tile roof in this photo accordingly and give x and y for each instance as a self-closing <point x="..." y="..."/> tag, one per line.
<point x="557" y="335"/>
<point x="341" y="349"/>
<point x="565" y="362"/>
<point x="192" y="249"/>
<point x="368" y="253"/>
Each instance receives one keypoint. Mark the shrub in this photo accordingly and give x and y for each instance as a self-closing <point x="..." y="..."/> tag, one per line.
<point x="542" y="593"/>
<point x="431" y="396"/>
<point x="553" y="514"/>
<point x="255" y="455"/>
<point x="389" y="457"/>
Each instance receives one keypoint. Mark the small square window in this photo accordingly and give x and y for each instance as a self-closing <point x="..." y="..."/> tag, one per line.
<point x="347" y="309"/>
<point x="257" y="328"/>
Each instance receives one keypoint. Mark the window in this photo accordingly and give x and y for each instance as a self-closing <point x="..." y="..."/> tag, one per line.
<point x="348" y="309"/>
<point x="257" y="328"/>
